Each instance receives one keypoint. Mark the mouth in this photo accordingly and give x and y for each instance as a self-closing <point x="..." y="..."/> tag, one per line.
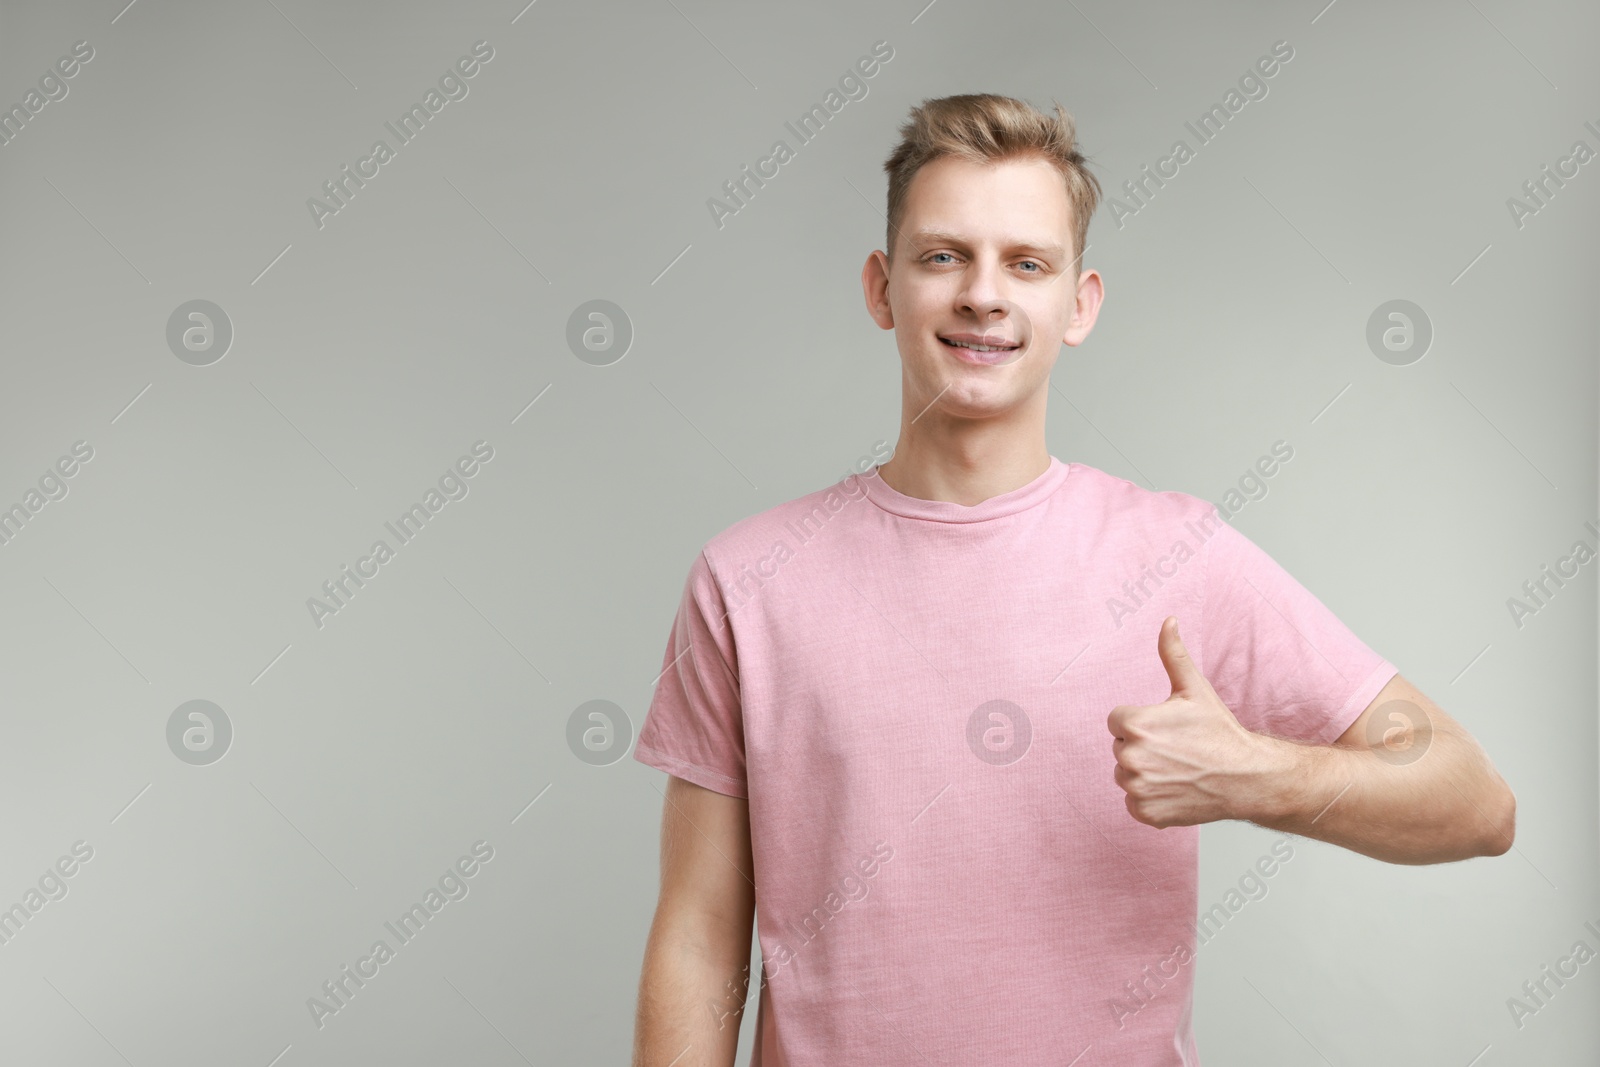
<point x="988" y="350"/>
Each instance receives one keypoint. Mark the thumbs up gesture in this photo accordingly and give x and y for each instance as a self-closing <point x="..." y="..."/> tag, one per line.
<point x="1186" y="760"/>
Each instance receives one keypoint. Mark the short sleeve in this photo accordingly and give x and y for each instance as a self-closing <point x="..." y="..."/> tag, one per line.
<point x="1276" y="655"/>
<point x="695" y="726"/>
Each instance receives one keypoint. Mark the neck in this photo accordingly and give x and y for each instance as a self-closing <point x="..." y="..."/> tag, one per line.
<point x="966" y="468"/>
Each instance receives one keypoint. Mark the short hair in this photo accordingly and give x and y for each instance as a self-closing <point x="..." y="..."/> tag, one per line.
<point x="986" y="128"/>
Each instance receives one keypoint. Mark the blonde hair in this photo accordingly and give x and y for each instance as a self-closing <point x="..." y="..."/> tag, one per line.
<point x="985" y="128"/>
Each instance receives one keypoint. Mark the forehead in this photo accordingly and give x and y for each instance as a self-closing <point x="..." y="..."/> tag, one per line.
<point x="1013" y="201"/>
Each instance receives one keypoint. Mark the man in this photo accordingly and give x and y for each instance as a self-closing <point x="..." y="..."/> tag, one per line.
<point x="954" y="726"/>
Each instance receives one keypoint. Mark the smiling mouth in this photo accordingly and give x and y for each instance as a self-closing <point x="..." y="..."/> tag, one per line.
<point x="978" y="347"/>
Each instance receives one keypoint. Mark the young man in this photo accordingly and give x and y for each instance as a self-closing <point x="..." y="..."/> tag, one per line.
<point x="952" y="727"/>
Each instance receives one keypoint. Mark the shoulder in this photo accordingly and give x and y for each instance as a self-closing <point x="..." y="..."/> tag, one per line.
<point x="767" y="532"/>
<point x="1128" y="506"/>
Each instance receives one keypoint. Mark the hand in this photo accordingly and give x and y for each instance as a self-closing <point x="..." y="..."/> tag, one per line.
<point x="1186" y="760"/>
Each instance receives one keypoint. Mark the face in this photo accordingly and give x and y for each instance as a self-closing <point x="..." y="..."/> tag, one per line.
<point x="983" y="256"/>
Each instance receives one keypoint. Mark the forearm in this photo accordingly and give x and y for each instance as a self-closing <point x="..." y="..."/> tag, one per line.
<point x="690" y="1004"/>
<point x="1447" y="804"/>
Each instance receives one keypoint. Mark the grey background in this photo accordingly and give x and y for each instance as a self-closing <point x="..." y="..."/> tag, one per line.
<point x="430" y="313"/>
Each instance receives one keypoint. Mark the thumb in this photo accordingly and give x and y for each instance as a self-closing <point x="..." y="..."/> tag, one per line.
<point x="1181" y="669"/>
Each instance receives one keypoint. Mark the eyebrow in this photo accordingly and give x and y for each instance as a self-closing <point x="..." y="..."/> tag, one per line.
<point x="922" y="237"/>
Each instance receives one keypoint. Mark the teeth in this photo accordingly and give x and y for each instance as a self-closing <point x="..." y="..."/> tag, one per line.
<point x="980" y="348"/>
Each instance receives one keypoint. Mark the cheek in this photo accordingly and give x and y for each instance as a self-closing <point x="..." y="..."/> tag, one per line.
<point x="915" y="306"/>
<point x="1049" y="320"/>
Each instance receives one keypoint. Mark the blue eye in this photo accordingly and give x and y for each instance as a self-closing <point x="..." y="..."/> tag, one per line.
<point x="1038" y="267"/>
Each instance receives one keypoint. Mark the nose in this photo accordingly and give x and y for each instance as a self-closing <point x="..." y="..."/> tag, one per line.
<point x="981" y="299"/>
<point x="980" y="293"/>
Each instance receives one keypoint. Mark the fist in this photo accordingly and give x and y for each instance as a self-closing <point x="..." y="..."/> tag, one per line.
<point x="1186" y="760"/>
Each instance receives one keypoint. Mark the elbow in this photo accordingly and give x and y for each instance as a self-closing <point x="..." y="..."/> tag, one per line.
<point x="1505" y="828"/>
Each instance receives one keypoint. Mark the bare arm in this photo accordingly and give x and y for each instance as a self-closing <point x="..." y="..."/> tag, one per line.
<point x="696" y="964"/>
<point x="1405" y="783"/>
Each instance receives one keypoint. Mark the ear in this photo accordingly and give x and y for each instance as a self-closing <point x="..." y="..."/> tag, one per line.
<point x="1085" y="307"/>
<point x="875" y="288"/>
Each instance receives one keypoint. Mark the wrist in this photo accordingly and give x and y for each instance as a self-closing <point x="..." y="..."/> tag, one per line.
<point x="1277" y="784"/>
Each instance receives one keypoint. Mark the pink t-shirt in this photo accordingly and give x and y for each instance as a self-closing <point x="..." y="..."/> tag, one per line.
<point x="912" y="694"/>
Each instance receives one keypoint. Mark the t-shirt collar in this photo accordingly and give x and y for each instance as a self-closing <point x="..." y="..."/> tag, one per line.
<point x="1019" y="499"/>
